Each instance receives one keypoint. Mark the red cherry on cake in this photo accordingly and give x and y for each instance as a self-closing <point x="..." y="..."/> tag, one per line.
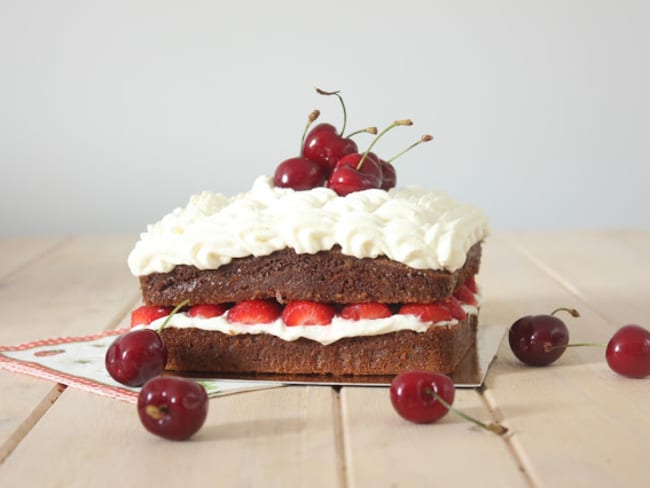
<point x="360" y="311"/>
<point x="146" y="314"/>
<point x="252" y="312"/>
<point x="173" y="408"/>
<point x="326" y="146"/>
<point x="628" y="351"/>
<point x="301" y="173"/>
<point x="302" y="312"/>
<point x="207" y="311"/>
<point x="355" y="172"/>
<point x="412" y="395"/>
<point x="388" y="175"/>
<point x="135" y="357"/>
<point x="427" y="312"/>
<point x="345" y="180"/>
<point x="539" y="340"/>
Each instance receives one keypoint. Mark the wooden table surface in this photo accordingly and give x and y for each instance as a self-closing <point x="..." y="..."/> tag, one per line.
<point x="574" y="423"/>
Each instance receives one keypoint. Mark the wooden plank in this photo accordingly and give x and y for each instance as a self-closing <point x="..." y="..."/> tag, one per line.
<point x="574" y="423"/>
<point x="382" y="449"/>
<point x="78" y="287"/>
<point x="277" y="437"/>
<point x="610" y="270"/>
<point x="16" y="252"/>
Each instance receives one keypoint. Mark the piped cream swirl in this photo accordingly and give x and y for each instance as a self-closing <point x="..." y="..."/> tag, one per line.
<point x="422" y="229"/>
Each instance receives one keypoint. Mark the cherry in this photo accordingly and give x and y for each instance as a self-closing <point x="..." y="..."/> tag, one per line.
<point x="368" y="174"/>
<point x="411" y="394"/>
<point x="388" y="175"/>
<point x="136" y="356"/>
<point x="628" y="351"/>
<point x="324" y="144"/>
<point x="423" y="397"/>
<point x="301" y="173"/>
<point x="173" y="408"/>
<point x="352" y="173"/>
<point x="538" y="340"/>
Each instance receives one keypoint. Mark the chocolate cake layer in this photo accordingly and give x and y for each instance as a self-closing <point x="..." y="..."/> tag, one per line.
<point x="439" y="349"/>
<point x="327" y="276"/>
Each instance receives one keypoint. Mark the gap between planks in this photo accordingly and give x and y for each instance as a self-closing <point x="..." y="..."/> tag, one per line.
<point x="510" y="439"/>
<point x="339" y="440"/>
<point x="32" y="419"/>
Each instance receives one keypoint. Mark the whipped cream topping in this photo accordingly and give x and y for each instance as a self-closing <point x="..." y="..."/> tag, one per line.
<point x="422" y="229"/>
<point x="325" y="334"/>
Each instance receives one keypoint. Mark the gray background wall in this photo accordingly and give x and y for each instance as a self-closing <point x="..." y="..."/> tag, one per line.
<point x="112" y="113"/>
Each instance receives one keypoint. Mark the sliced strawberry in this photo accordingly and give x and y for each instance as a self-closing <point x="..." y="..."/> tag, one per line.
<point x="307" y="313"/>
<point x="427" y="312"/>
<point x="251" y="312"/>
<point x="146" y="314"/>
<point x="471" y="284"/>
<point x="206" y="311"/>
<point x="455" y="307"/>
<point x="465" y="295"/>
<point x="358" y="311"/>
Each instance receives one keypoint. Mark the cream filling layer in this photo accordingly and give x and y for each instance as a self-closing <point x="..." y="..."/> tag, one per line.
<point x="325" y="334"/>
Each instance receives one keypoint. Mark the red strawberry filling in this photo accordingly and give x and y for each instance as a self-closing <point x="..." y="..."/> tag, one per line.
<point x="301" y="312"/>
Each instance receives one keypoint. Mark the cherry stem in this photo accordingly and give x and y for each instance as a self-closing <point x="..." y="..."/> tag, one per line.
<point x="369" y="130"/>
<point x="391" y="126"/>
<point x="345" y="113"/>
<point x="424" y="138"/>
<point x="310" y="120"/>
<point x="492" y="426"/>
<point x="572" y="311"/>
<point x="172" y="313"/>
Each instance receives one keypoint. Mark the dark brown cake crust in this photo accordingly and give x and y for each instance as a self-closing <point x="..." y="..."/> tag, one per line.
<point x="440" y="349"/>
<point x="327" y="276"/>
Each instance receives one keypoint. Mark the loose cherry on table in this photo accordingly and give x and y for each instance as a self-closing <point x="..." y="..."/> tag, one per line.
<point x="423" y="397"/>
<point x="171" y="407"/>
<point x="628" y="351"/>
<point x="135" y="357"/>
<point x="539" y="340"/>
